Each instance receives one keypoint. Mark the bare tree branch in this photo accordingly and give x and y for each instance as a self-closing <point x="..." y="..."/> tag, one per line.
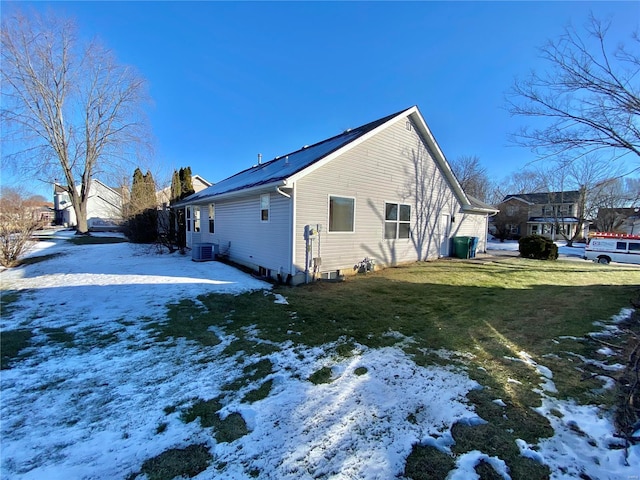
<point x="589" y="99"/>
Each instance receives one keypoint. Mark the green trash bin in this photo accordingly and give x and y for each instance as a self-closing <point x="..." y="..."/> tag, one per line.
<point x="461" y="247"/>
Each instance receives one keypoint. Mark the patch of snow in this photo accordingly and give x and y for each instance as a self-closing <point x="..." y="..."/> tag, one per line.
<point x="623" y="315"/>
<point x="442" y="442"/>
<point x="280" y="300"/>
<point x="499" y="402"/>
<point x="527" y="451"/>
<point x="584" y="443"/>
<point x="466" y="463"/>
<point x="606" y="351"/>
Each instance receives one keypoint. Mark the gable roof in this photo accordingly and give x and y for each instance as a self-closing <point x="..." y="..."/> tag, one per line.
<point x="284" y="166"/>
<point x="282" y="171"/>
<point x="543" y="198"/>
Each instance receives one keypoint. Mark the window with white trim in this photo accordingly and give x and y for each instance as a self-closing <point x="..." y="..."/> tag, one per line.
<point x="265" y="205"/>
<point x="341" y="214"/>
<point x="188" y="221"/>
<point x="212" y="216"/>
<point x="196" y="219"/>
<point x="397" y="221"/>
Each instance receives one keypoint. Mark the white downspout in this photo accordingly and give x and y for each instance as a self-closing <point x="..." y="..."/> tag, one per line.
<point x="292" y="233"/>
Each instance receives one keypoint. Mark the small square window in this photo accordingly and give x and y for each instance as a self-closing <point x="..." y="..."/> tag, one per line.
<point x="397" y="221"/>
<point x="265" y="204"/>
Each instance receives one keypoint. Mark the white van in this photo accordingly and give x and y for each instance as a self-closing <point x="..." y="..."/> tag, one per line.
<point x="613" y="247"/>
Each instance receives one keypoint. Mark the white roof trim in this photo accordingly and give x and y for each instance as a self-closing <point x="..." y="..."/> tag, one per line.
<point x="267" y="187"/>
<point x="515" y="197"/>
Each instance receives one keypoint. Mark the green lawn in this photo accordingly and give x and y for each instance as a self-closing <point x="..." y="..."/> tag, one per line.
<point x="487" y="312"/>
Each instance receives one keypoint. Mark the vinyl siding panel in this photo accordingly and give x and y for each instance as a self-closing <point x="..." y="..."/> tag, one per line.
<point x="393" y="166"/>
<point x="247" y="240"/>
<point x="474" y="226"/>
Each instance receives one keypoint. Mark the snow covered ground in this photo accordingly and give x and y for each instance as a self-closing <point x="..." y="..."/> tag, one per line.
<point x="92" y="411"/>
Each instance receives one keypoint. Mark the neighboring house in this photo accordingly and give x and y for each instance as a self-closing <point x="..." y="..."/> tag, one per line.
<point x="43" y="212"/>
<point x="164" y="195"/>
<point x="551" y="214"/>
<point x="104" y="207"/>
<point x="618" y="220"/>
<point x="382" y="191"/>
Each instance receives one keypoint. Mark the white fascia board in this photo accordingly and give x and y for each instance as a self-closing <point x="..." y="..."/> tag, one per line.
<point x="520" y="199"/>
<point x="105" y="186"/>
<point x="267" y="187"/>
<point x="479" y="210"/>
<point x="320" y="163"/>
<point x="202" y="180"/>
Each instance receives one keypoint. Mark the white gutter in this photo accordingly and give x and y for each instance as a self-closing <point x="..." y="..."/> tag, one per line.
<point x="282" y="193"/>
<point x="472" y="209"/>
<point x="235" y="193"/>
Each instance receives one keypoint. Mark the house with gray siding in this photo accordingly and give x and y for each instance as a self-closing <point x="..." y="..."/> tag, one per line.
<point x="382" y="192"/>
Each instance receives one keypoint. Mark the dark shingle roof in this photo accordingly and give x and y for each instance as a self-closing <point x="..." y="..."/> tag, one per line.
<point x="547" y="197"/>
<point x="284" y="166"/>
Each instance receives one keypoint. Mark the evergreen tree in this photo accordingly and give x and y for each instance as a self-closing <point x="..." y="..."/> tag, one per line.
<point x="141" y="225"/>
<point x="150" y="199"/>
<point x="174" y="196"/>
<point x="176" y="187"/>
<point x="186" y="182"/>
<point x="137" y="193"/>
<point x="181" y="187"/>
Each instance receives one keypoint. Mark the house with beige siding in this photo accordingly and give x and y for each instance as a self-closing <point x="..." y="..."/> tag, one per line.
<point x="555" y="215"/>
<point x="381" y="193"/>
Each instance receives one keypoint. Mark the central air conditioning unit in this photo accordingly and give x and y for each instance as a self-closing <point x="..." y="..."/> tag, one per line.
<point x="204" y="252"/>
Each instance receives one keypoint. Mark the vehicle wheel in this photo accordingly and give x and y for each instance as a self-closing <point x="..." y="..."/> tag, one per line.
<point x="604" y="260"/>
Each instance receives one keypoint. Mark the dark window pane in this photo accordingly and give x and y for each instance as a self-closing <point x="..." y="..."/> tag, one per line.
<point x="390" y="230"/>
<point x="405" y="213"/>
<point x="404" y="231"/>
<point x="391" y="211"/>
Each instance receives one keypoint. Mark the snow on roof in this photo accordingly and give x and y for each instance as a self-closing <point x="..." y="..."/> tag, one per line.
<point x="546" y="197"/>
<point x="283" y="167"/>
<point x="553" y="220"/>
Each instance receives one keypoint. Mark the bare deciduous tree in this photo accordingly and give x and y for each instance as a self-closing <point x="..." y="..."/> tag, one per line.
<point x="524" y="181"/>
<point x="18" y="221"/>
<point x="69" y="108"/>
<point x="610" y="200"/>
<point x="472" y="176"/>
<point x="588" y="99"/>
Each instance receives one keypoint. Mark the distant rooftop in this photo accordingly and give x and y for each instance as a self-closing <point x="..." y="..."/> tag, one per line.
<point x="547" y="197"/>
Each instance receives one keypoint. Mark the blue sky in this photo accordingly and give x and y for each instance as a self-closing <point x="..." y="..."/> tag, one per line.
<point x="231" y="80"/>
